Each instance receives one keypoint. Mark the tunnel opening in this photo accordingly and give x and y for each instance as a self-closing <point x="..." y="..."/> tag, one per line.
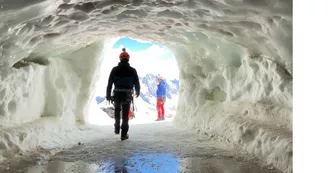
<point x="221" y="95"/>
<point x="151" y="60"/>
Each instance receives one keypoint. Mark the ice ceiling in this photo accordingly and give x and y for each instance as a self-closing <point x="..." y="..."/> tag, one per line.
<point x="235" y="60"/>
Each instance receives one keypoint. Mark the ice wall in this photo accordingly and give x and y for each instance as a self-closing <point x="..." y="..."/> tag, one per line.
<point x="22" y="92"/>
<point x="39" y="103"/>
<point x="238" y="98"/>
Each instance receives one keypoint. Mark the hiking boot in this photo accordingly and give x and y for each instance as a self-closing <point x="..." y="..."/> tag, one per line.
<point x="117" y="131"/>
<point x="158" y="119"/>
<point x="125" y="137"/>
<point x="163" y="118"/>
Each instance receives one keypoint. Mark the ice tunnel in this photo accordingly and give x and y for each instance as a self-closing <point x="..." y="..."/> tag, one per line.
<point x="234" y="58"/>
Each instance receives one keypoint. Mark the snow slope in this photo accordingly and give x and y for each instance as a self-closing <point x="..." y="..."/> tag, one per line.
<point x="234" y="58"/>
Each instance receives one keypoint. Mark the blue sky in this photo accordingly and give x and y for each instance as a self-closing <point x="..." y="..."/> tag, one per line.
<point x="135" y="46"/>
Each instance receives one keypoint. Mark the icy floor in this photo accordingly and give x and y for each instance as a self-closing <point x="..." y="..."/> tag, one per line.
<point x="157" y="147"/>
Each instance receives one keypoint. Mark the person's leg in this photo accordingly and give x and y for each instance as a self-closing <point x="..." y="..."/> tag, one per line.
<point x="125" y="117"/>
<point x="117" y="105"/>
<point x="162" y="111"/>
<point x="159" y="110"/>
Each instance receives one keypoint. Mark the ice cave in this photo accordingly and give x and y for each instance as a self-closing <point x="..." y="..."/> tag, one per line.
<point x="235" y="101"/>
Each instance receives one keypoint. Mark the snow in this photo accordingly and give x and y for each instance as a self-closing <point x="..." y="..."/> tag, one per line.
<point x="234" y="59"/>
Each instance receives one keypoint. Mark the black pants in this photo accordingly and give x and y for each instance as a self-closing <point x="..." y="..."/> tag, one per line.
<point x="122" y="101"/>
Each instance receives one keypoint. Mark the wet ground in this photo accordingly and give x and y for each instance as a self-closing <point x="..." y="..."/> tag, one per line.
<point x="157" y="148"/>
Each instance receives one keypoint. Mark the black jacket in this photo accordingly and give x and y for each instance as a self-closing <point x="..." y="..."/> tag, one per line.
<point x="124" y="77"/>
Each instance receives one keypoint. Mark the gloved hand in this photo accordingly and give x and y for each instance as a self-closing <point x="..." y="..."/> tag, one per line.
<point x="163" y="100"/>
<point x="110" y="99"/>
<point x="137" y="94"/>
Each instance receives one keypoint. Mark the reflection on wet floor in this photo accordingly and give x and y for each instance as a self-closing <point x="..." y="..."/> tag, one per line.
<point x="63" y="167"/>
<point x="161" y="163"/>
<point x="150" y="163"/>
<point x="146" y="163"/>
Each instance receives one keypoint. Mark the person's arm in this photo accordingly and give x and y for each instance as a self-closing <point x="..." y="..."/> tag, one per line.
<point x="163" y="96"/>
<point x="136" y="83"/>
<point x="110" y="84"/>
<point x="164" y="91"/>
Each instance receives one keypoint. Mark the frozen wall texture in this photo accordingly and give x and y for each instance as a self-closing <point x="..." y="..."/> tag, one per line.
<point x="240" y="99"/>
<point x="235" y="60"/>
<point x="40" y="101"/>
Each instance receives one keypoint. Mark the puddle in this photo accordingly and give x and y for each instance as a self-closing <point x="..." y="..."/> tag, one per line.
<point x="63" y="167"/>
<point x="161" y="163"/>
<point x="149" y="163"/>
